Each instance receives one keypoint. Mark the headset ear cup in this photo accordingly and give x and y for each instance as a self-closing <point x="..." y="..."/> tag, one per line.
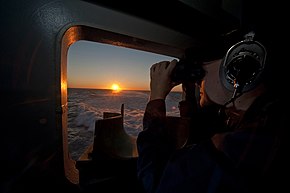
<point x="243" y="65"/>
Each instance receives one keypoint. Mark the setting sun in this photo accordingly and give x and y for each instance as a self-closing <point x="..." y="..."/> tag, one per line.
<point x="115" y="87"/>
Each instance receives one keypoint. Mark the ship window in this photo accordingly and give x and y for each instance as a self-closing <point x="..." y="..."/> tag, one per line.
<point x="100" y="78"/>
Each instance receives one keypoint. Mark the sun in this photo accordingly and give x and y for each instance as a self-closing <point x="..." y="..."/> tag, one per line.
<point x="115" y="88"/>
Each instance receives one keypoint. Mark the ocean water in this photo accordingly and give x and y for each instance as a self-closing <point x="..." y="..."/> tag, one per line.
<point x="85" y="106"/>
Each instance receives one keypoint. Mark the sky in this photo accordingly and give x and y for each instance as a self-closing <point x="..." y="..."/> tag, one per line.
<point x="99" y="66"/>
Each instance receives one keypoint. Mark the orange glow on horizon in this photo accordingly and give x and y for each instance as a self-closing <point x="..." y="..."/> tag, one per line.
<point x="115" y="88"/>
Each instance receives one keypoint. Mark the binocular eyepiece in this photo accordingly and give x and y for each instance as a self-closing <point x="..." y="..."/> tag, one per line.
<point x="187" y="71"/>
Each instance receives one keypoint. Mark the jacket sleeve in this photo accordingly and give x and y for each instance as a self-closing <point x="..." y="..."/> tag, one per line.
<point x="154" y="145"/>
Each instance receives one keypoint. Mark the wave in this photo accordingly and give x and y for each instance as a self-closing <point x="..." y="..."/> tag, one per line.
<point x="85" y="106"/>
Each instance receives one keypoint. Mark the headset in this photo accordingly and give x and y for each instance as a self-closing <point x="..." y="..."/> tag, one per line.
<point x="242" y="66"/>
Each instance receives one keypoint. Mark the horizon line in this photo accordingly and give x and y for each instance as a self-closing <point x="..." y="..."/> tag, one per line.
<point x="111" y="89"/>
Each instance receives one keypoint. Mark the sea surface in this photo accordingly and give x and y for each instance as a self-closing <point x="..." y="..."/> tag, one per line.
<point x="85" y="106"/>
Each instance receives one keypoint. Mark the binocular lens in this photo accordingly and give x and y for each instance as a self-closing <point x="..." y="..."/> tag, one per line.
<point x="187" y="71"/>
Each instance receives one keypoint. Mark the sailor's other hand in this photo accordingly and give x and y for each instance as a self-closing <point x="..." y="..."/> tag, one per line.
<point x="160" y="81"/>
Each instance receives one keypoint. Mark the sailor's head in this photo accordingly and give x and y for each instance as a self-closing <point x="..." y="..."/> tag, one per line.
<point x="232" y="68"/>
<point x="247" y="59"/>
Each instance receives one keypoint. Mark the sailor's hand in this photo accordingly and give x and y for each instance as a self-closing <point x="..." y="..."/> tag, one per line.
<point x="161" y="84"/>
